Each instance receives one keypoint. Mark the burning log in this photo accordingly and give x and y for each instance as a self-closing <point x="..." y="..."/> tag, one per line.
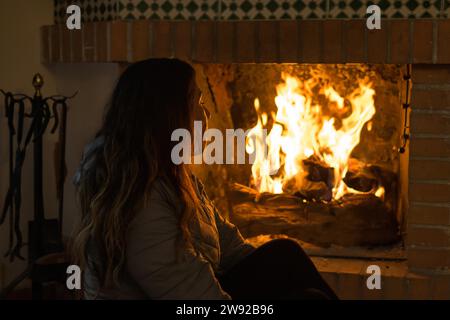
<point x="315" y="184"/>
<point x="318" y="171"/>
<point x="240" y="193"/>
<point x="318" y="181"/>
<point x="353" y="220"/>
<point x="309" y="190"/>
<point x="360" y="177"/>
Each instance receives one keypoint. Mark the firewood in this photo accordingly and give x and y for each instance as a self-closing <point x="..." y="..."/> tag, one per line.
<point x="353" y="220"/>
<point x="309" y="190"/>
<point x="240" y="193"/>
<point x="318" y="171"/>
<point x="361" y="181"/>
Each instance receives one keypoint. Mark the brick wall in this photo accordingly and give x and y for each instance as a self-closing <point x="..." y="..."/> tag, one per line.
<point x="428" y="235"/>
<point x="302" y="41"/>
<point x="348" y="279"/>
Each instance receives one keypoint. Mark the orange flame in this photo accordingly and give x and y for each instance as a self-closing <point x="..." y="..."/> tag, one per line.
<point x="302" y="130"/>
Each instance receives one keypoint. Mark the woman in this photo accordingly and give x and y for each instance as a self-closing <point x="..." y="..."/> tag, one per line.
<point x="148" y="229"/>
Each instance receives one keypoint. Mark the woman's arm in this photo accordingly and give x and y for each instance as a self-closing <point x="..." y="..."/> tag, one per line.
<point x="233" y="247"/>
<point x="153" y="262"/>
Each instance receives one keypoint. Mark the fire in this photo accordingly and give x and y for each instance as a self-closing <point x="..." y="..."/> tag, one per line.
<point x="302" y="130"/>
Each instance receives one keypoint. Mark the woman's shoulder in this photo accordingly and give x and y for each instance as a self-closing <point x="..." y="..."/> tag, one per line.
<point x="162" y="189"/>
<point x="161" y="202"/>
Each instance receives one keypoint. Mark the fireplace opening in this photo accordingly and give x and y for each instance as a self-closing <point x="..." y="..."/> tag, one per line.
<point x="332" y="175"/>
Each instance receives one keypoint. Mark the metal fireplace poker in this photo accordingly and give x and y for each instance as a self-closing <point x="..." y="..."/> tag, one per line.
<point x="44" y="235"/>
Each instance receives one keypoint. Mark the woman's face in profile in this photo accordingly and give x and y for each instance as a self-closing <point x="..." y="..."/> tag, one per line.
<point x="201" y="113"/>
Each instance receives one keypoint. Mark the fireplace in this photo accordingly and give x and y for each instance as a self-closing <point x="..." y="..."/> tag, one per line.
<point x="369" y="204"/>
<point x="331" y="171"/>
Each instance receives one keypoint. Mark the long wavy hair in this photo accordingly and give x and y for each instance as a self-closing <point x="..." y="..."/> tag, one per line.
<point x="151" y="99"/>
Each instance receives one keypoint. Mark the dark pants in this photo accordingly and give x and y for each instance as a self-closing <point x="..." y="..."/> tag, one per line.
<point x="279" y="269"/>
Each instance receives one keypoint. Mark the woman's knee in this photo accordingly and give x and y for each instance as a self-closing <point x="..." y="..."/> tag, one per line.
<point x="284" y="246"/>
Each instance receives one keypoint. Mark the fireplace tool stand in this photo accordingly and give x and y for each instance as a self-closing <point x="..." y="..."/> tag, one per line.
<point x="46" y="260"/>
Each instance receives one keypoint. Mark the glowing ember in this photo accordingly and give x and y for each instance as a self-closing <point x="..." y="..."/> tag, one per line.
<point x="302" y="130"/>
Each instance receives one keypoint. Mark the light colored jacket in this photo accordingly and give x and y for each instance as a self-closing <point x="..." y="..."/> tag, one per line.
<point x="153" y="270"/>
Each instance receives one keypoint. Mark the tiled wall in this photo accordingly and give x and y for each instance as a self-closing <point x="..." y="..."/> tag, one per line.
<point x="99" y="10"/>
<point x="91" y="10"/>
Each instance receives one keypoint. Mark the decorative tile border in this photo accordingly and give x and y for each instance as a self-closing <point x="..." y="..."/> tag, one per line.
<point x="272" y="9"/>
<point x="390" y="8"/>
<point x="91" y="10"/>
<point x="173" y="10"/>
<point x="347" y="9"/>
<point x="446" y="9"/>
<point x="100" y="10"/>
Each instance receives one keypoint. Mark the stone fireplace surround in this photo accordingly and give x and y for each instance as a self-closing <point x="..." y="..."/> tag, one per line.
<point x="422" y="271"/>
